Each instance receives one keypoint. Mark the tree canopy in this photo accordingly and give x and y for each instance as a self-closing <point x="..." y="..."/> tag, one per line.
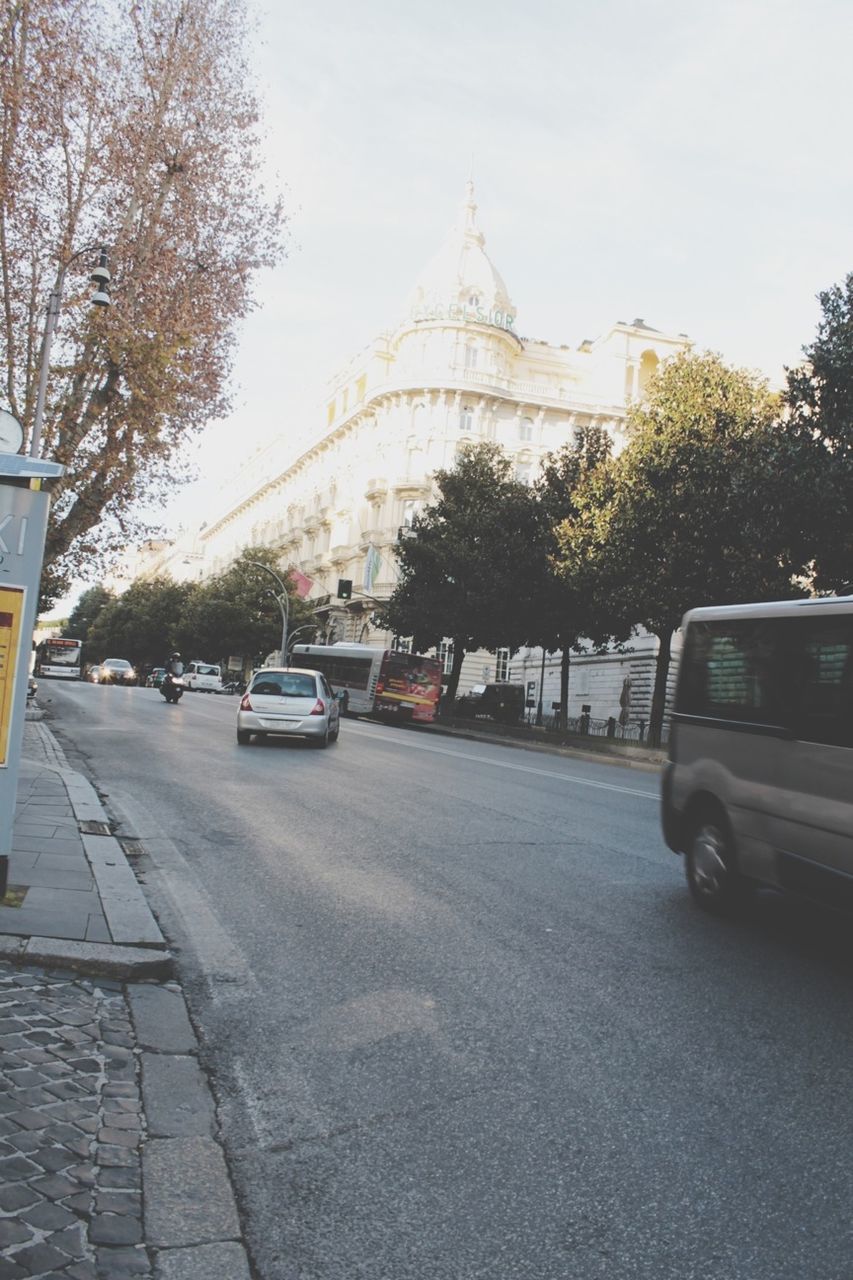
<point x="133" y="127"/>
<point x="702" y="507"/>
<point x="470" y="567"/>
<point x="232" y="614"/>
<point x="819" y="400"/>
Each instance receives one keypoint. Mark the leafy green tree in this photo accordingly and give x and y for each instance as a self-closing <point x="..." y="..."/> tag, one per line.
<point x="819" y="400"/>
<point x="568" y="610"/>
<point x="143" y="624"/>
<point x="702" y="507"/>
<point x="469" y="568"/>
<point x="235" y="612"/>
<point x="86" y="612"/>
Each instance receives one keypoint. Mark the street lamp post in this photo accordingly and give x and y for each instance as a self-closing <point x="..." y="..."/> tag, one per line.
<point x="283" y="604"/>
<point x="298" y="632"/>
<point x="100" y="298"/>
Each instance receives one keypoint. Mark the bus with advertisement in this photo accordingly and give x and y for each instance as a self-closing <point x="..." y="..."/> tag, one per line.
<point x="378" y="682"/>
<point x="59" y="657"/>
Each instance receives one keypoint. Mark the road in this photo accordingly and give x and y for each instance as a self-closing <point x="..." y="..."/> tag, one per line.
<point x="462" y="1019"/>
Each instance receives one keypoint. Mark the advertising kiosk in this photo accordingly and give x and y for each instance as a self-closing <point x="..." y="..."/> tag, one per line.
<point x="24" y="505"/>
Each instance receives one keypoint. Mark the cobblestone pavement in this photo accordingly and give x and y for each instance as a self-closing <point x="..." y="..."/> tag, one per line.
<point x="71" y="1126"/>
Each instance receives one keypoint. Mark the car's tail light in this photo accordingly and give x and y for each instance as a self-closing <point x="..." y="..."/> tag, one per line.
<point x="245" y="704"/>
<point x="319" y="708"/>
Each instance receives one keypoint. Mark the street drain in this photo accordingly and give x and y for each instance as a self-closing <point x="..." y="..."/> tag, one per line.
<point x="95" y="828"/>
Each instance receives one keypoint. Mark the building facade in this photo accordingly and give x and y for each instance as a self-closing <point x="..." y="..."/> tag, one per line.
<point x="453" y="371"/>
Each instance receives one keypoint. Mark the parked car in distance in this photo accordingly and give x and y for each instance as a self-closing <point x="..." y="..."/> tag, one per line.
<point x="290" y="702"/>
<point x="155" y="678"/>
<point x="500" y="701"/>
<point x="116" y="671"/>
<point x="203" y="677"/>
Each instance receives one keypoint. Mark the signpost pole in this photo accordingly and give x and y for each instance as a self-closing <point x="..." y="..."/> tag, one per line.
<point x="24" y="504"/>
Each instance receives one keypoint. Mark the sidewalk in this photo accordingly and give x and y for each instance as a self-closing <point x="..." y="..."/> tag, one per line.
<point x="109" y="1163"/>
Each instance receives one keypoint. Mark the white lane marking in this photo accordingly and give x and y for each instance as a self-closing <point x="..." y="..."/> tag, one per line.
<point x="400" y="740"/>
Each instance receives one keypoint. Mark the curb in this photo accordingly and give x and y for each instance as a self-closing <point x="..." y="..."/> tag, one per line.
<point x="648" y="764"/>
<point x="95" y="959"/>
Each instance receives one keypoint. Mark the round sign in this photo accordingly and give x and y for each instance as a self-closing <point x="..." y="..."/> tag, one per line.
<point x="11" y="433"/>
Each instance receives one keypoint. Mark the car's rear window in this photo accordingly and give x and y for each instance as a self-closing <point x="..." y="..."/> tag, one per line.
<point x="285" y="684"/>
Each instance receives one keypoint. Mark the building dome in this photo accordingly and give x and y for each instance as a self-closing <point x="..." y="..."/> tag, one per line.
<point x="461" y="281"/>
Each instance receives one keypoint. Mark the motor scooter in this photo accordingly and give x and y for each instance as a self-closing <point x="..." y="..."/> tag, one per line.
<point x="172" y="688"/>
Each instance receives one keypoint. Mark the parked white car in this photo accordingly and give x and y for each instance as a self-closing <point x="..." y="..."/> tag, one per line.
<point x="203" y="677"/>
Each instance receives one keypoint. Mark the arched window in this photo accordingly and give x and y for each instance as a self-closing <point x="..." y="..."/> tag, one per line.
<point x="470" y="356"/>
<point x="525" y="429"/>
<point x="648" y="368"/>
<point x="466" y="418"/>
<point x="473" y="299"/>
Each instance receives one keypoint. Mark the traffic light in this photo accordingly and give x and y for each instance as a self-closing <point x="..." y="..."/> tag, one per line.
<point x="344" y="589"/>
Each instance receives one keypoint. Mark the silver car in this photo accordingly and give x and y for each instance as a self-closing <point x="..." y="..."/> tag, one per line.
<point x="289" y="701"/>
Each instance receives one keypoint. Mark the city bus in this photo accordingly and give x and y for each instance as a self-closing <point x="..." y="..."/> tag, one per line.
<point x="59" y="657"/>
<point x="380" y="682"/>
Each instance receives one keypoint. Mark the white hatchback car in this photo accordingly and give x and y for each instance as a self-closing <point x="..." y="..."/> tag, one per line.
<point x="289" y="701"/>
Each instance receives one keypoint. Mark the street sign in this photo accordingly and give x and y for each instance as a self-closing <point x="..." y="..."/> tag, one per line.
<point x="11" y="613"/>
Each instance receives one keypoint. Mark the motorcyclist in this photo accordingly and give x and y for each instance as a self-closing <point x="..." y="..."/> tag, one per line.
<point x="173" y="667"/>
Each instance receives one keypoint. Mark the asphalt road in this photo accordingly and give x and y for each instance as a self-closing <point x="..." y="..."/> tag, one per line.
<point x="462" y="1019"/>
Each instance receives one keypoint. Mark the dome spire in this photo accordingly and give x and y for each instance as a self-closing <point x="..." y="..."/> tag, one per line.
<point x="463" y="275"/>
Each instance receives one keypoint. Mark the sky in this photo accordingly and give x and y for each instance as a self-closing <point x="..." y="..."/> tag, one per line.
<point x="683" y="162"/>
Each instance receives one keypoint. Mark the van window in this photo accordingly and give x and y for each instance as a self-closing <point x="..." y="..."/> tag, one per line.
<point x="820" y="671"/>
<point x="729" y="670"/>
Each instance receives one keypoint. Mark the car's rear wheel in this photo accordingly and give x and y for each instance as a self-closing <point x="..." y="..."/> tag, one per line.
<point x="243" y="737"/>
<point x="710" y="863"/>
<point x="323" y="742"/>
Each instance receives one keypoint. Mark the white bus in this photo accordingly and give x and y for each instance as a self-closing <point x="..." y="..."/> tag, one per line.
<point x="383" y="682"/>
<point x="759" y="784"/>
<point x="59" y="657"/>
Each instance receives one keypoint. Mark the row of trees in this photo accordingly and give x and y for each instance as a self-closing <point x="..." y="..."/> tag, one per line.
<point x="234" y="613"/>
<point x="133" y="126"/>
<point x="724" y="493"/>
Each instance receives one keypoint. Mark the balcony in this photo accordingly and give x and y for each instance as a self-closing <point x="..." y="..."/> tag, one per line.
<point x="376" y="489"/>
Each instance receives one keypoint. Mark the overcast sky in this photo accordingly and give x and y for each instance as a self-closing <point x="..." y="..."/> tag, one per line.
<point x="684" y="162"/>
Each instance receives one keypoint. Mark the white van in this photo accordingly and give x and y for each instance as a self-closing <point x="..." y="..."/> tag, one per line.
<point x="759" y="784"/>
<point x="203" y="677"/>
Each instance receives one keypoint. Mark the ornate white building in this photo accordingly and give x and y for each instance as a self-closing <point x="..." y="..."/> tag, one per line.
<point x="453" y="371"/>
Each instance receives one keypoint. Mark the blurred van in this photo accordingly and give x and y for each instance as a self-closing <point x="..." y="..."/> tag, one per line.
<point x="203" y="677"/>
<point x="759" y="783"/>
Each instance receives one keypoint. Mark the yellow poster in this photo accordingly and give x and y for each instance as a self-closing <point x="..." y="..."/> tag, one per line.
<point x="11" y="612"/>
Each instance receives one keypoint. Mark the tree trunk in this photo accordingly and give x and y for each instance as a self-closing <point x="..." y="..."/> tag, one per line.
<point x="455" y="672"/>
<point x="659" y="695"/>
<point x="565" y="663"/>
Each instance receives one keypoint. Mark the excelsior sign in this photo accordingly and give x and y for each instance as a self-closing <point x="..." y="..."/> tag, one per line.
<point x="468" y="315"/>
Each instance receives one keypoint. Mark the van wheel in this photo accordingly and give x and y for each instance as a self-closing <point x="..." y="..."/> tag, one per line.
<point x="243" y="738"/>
<point x="712" y="874"/>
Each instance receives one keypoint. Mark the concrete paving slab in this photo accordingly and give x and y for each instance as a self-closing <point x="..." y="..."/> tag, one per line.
<point x="177" y="1100"/>
<point x="187" y="1195"/>
<point x="62" y="923"/>
<point x="161" y="1020"/>
<point x="67" y="846"/>
<point x="203" y="1262"/>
